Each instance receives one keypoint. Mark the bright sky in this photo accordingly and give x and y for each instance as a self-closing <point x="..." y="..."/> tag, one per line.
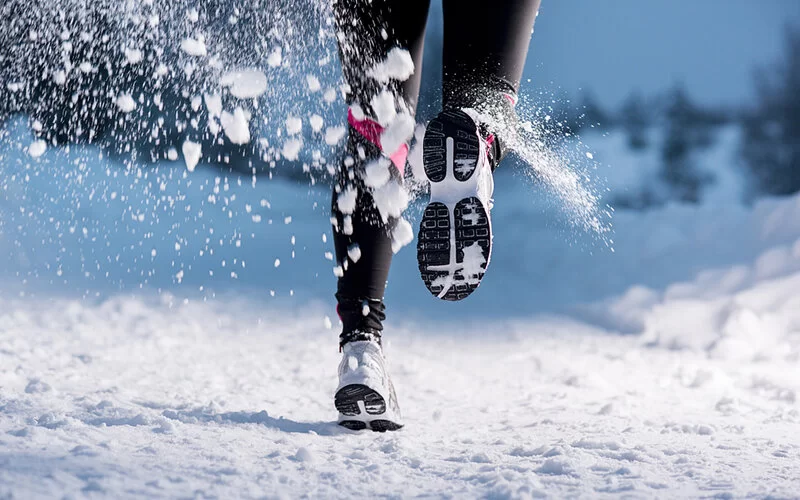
<point x="615" y="46"/>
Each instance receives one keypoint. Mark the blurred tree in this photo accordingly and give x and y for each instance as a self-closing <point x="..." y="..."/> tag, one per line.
<point x="635" y="118"/>
<point x="771" y="147"/>
<point x="687" y="128"/>
<point x="591" y="113"/>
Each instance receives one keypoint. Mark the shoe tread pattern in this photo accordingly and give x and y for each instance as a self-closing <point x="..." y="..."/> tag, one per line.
<point x="346" y="401"/>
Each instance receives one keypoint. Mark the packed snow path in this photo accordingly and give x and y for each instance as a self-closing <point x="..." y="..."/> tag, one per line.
<point x="138" y="397"/>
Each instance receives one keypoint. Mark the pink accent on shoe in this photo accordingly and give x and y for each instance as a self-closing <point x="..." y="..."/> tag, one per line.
<point x="490" y="140"/>
<point x="511" y="98"/>
<point x="371" y="131"/>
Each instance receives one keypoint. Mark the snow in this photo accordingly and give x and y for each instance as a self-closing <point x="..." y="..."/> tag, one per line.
<point x="139" y="357"/>
<point x="213" y="104"/>
<point x="37" y="148"/>
<point x="291" y="149"/>
<point x="245" y="84"/>
<point x="346" y="200"/>
<point x="192" y="152"/>
<point x="546" y="407"/>
<point x="275" y="57"/>
<point x="398" y="65"/>
<point x="329" y="96"/>
<point x="133" y="56"/>
<point x="294" y="125"/>
<point x="354" y="252"/>
<point x="236" y="126"/>
<point x="402" y="235"/>
<point x="399" y="132"/>
<point x="383" y="105"/>
<point x="125" y="103"/>
<point x="391" y="199"/>
<point x="313" y="82"/>
<point x="377" y="173"/>
<point x="194" y="47"/>
<point x="316" y="122"/>
<point x="60" y="77"/>
<point x="334" y="135"/>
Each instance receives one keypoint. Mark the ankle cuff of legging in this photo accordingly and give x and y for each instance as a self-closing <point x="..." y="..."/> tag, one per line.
<point x="359" y="336"/>
<point x="360" y="314"/>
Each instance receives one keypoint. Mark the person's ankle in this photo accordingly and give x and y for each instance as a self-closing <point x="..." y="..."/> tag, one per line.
<point x="359" y="336"/>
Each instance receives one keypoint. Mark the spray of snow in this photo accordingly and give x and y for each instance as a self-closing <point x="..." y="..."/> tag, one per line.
<point x="37" y="148"/>
<point x="402" y="234"/>
<point x="316" y="122"/>
<point x="354" y="252"/>
<point x="399" y="132"/>
<point x="383" y="105"/>
<point x="275" y="57"/>
<point x="346" y="200"/>
<point x="294" y="125"/>
<point x="236" y="126"/>
<point x="398" y="65"/>
<point x="560" y="170"/>
<point x="191" y="154"/>
<point x="377" y="173"/>
<point x="245" y="84"/>
<point x="391" y="200"/>
<point x="291" y="149"/>
<point x="333" y="135"/>
<point x="313" y="83"/>
<point x="194" y="47"/>
<point x="125" y="103"/>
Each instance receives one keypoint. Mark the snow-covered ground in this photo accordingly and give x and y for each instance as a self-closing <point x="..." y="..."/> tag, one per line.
<point x="132" y="397"/>
<point x="141" y="357"/>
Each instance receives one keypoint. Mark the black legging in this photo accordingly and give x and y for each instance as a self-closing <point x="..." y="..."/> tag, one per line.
<point x="485" y="47"/>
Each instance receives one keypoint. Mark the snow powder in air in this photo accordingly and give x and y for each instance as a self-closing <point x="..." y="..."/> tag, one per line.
<point x="354" y="252"/>
<point x="133" y="56"/>
<point x="377" y="172"/>
<point x="213" y="105"/>
<point x="334" y="134"/>
<point x="398" y="65"/>
<point x="313" y="83"/>
<point x="125" y="103"/>
<point x="316" y="123"/>
<point x="383" y="105"/>
<point x="402" y="235"/>
<point x="294" y="125"/>
<point x="245" y="84"/>
<point x="191" y="154"/>
<point x="291" y="149"/>
<point x="236" y="126"/>
<point x="194" y="47"/>
<point x="346" y="200"/>
<point x="391" y="200"/>
<point x="37" y="148"/>
<point x="397" y="133"/>
<point x="275" y="57"/>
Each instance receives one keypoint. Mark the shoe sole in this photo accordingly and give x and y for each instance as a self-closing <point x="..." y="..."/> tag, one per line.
<point x="351" y="399"/>
<point x="454" y="243"/>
